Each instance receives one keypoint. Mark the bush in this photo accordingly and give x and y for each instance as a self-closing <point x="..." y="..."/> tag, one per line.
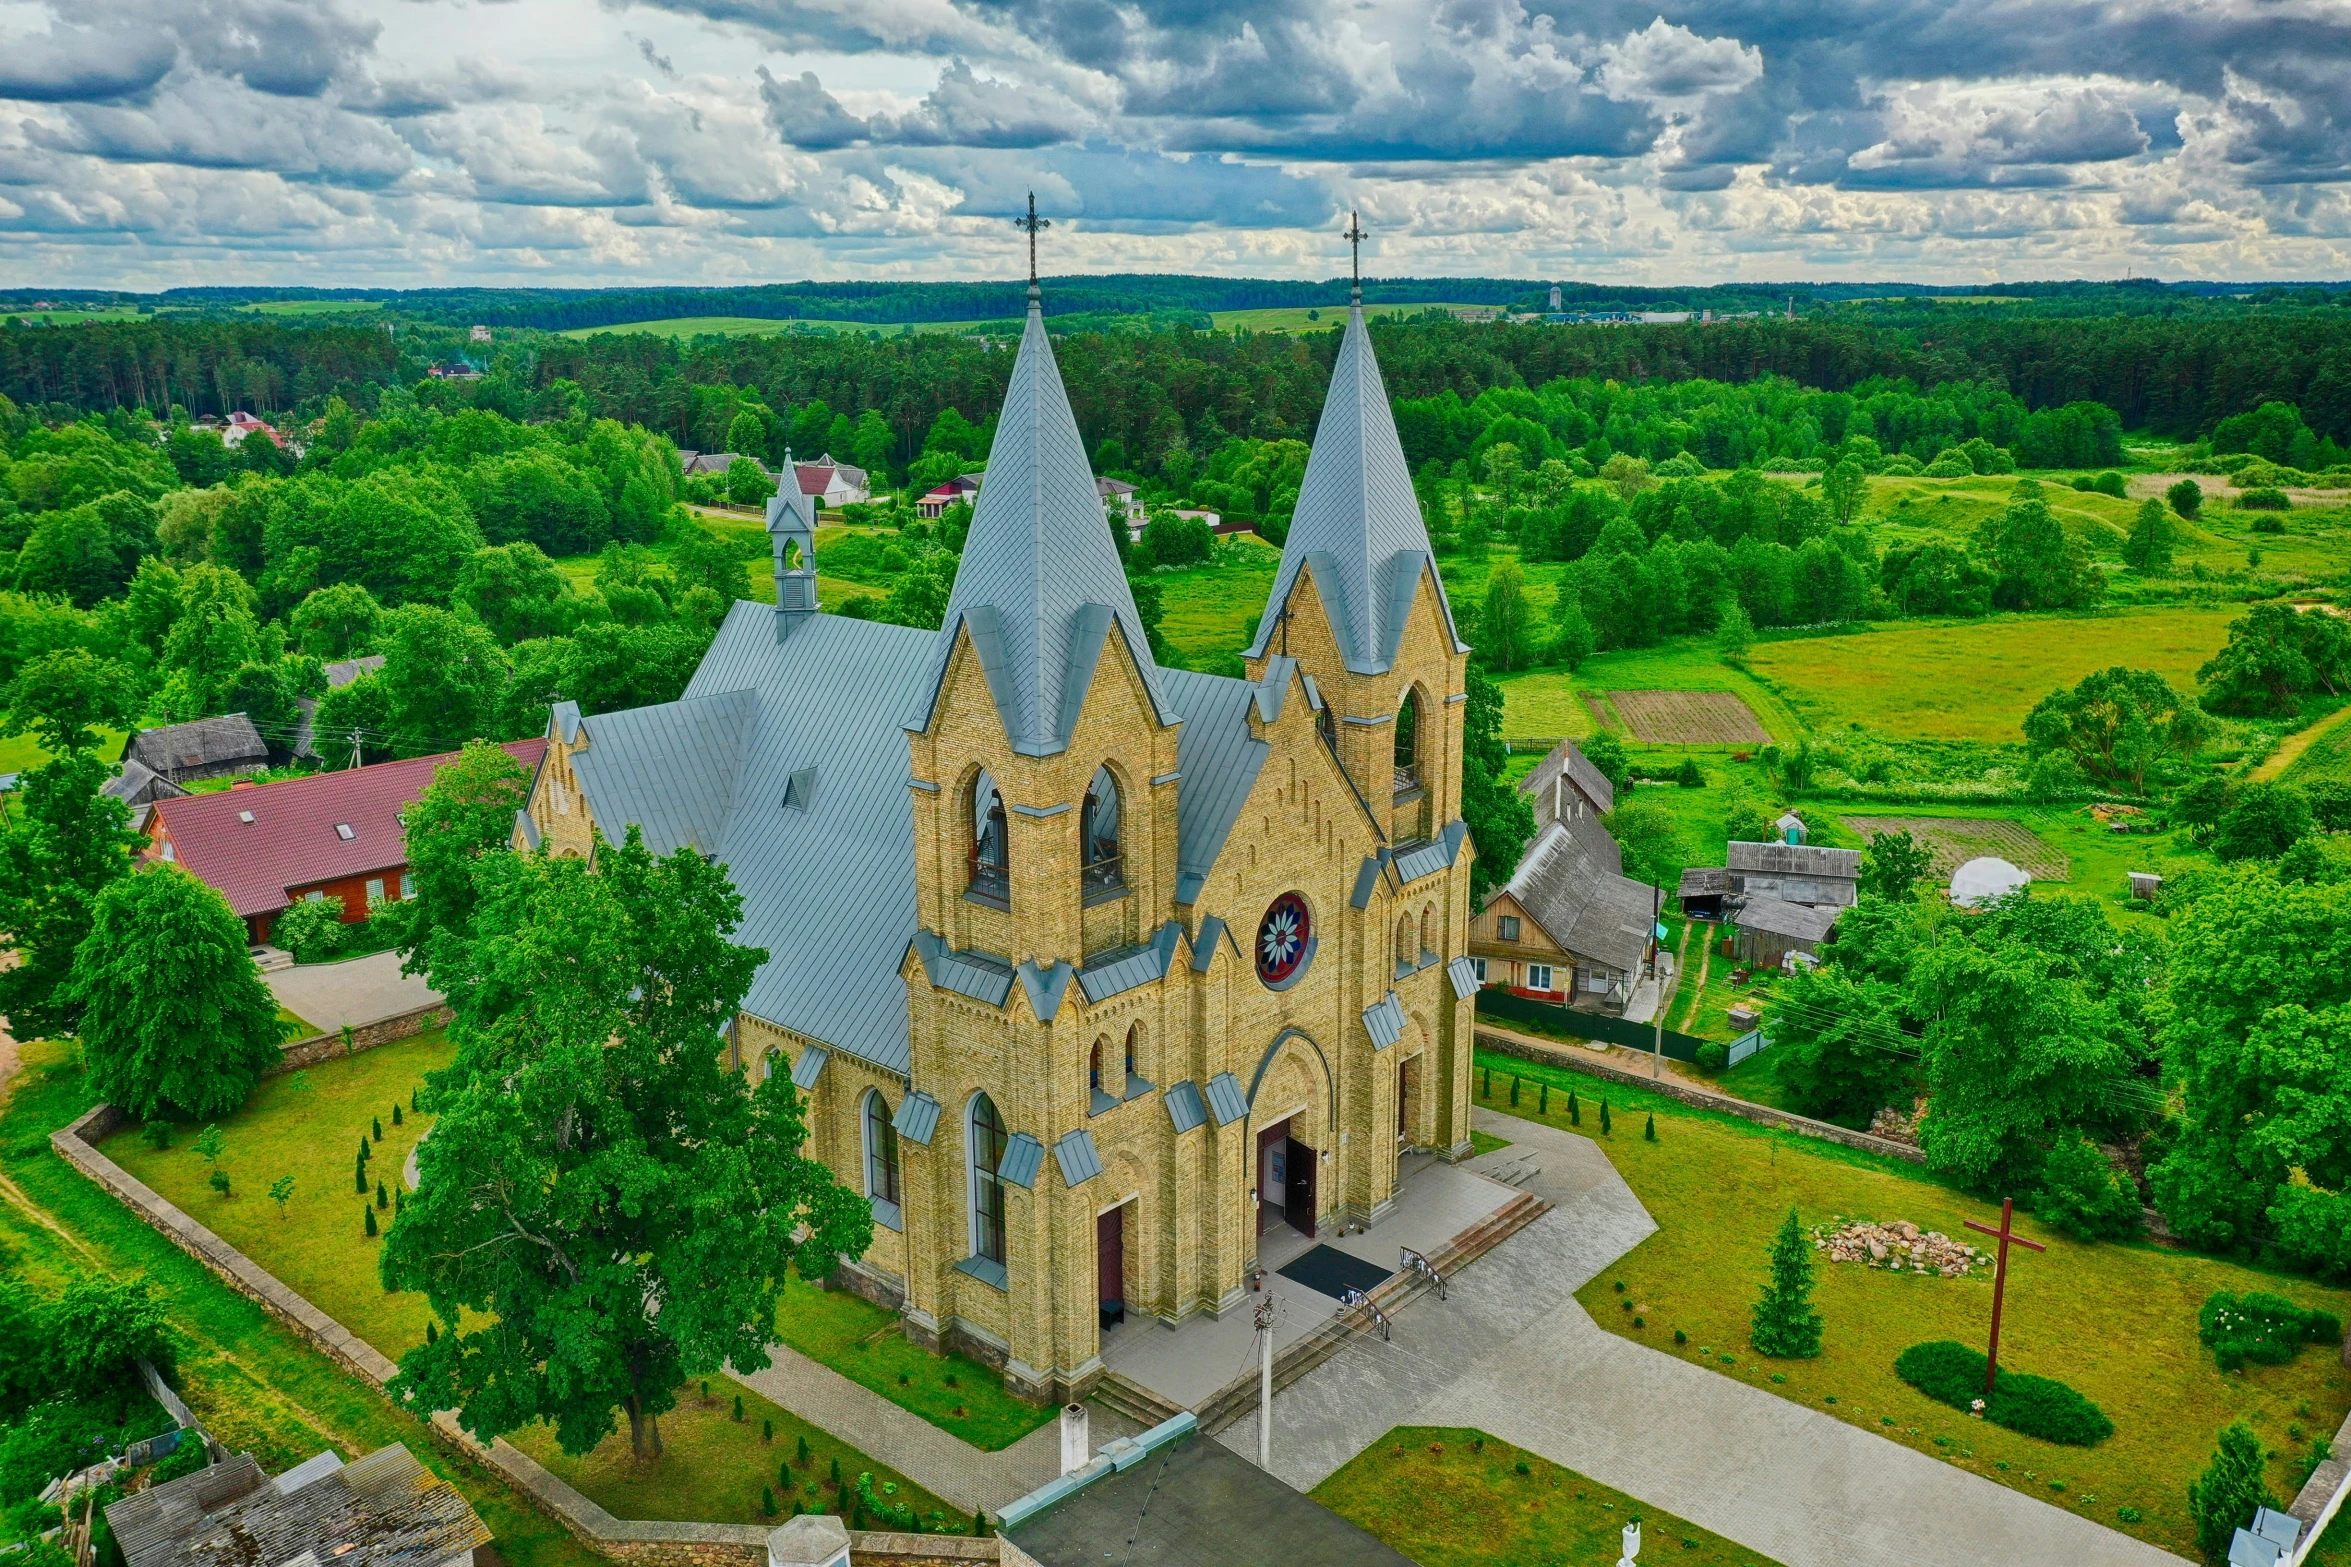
<point x="2261" y="820"/>
<point x="1713" y="1057"/>
<point x="1688" y="776"/>
<point x="2266" y="1330"/>
<point x="2224" y="1499"/>
<point x="312" y="929"/>
<point x="1953" y="464"/>
<point x="2330" y="802"/>
<point x="2186" y="497"/>
<point x="2109" y="483"/>
<point x="2266" y="524"/>
<point x="2034" y="1406"/>
<point x="2085" y="1196"/>
<point x="2264" y="500"/>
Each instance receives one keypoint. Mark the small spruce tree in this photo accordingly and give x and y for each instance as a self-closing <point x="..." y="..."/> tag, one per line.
<point x="2223" y="1500"/>
<point x="738" y="1406"/>
<point x="1542" y="1098"/>
<point x="359" y="1176"/>
<point x="376" y="1127"/>
<point x="366" y="1152"/>
<point x="1606" y="1130"/>
<point x="1575" y="1111"/>
<point x="395" y="1112"/>
<point x="1784" y="1325"/>
<point x="767" y="1501"/>
<point x="1514" y="1093"/>
<point x="1649" y="1132"/>
<point x="383" y="1195"/>
<point x="372" y="1231"/>
<point x="767" y="1430"/>
<point x="800" y="1451"/>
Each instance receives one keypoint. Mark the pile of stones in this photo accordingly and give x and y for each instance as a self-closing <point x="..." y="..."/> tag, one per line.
<point x="1898" y="1247"/>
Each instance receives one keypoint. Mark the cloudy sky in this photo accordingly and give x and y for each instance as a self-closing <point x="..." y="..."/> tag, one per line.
<point x="145" y="143"/>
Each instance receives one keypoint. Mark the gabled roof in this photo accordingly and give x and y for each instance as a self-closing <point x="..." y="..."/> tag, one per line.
<point x="1793" y="859"/>
<point x="293" y="838"/>
<point x="1220" y="761"/>
<point x="1591" y="912"/>
<point x="383" y="1510"/>
<point x="138" y="784"/>
<point x="1357" y="522"/>
<point x="205" y="742"/>
<point x="1778" y="917"/>
<point x="1566" y="761"/>
<point x="1040" y="586"/>
<point x="671" y="769"/>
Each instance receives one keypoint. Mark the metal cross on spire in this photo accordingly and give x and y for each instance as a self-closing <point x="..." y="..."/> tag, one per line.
<point x="1355" y="238"/>
<point x="1032" y="223"/>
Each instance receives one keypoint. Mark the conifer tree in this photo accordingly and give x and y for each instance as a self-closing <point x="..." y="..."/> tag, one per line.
<point x="1785" y="1326"/>
<point x="1575" y="1111"/>
<point x="371" y="1221"/>
<point x="2223" y="1500"/>
<point x="1605" y="1129"/>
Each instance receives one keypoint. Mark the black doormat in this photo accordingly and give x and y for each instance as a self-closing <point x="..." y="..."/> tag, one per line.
<point x="1332" y="1272"/>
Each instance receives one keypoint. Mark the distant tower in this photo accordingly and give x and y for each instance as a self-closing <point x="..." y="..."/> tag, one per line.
<point x="1555" y="299"/>
<point x="1791" y="307"/>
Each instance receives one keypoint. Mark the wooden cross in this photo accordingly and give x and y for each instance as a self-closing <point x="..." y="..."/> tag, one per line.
<point x="2000" y="1280"/>
<point x="1032" y="223"/>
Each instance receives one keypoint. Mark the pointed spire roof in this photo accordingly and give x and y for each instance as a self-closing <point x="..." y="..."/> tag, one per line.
<point x="1040" y="586"/>
<point x="1358" y="524"/>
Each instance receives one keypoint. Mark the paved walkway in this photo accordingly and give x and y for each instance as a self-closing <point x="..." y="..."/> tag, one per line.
<point x="354" y="991"/>
<point x="1513" y="1353"/>
<point x="943" y="1464"/>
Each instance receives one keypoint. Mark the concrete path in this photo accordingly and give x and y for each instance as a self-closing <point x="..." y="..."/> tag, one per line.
<point x="354" y="991"/>
<point x="1511" y="1352"/>
<point x="940" y="1463"/>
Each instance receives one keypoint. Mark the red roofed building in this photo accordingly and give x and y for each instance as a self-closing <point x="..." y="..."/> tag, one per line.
<point x="265" y="847"/>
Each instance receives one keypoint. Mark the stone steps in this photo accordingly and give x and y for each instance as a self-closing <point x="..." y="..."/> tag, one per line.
<point x="1133" y="1400"/>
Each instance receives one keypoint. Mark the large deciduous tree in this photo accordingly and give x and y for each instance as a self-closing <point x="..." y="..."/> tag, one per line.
<point x="174" y="1016"/>
<point x="604" y="1210"/>
<point x="1893" y="865"/>
<point x="2275" y="657"/>
<point x="2117" y="723"/>
<point x="466" y="814"/>
<point x="1499" y="818"/>
<point x="62" y="844"/>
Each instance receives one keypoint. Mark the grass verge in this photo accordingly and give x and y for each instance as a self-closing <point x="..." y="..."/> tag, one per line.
<point x="1449" y="1496"/>
<point x="2115" y="1322"/>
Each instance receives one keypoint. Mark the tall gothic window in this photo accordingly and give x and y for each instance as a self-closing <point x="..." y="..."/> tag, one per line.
<point x="991" y="859"/>
<point x="1098" y="835"/>
<point x="1326" y="723"/>
<point x="984" y="1151"/>
<point x="881" y="1149"/>
<point x="1408" y="743"/>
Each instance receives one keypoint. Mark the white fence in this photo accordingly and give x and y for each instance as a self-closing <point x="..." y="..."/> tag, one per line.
<point x="1747" y="1044"/>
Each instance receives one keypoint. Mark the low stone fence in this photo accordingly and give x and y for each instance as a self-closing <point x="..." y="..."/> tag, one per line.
<point x="1575" y="1060"/>
<point x="364" y="1036"/>
<point x="639" y="1542"/>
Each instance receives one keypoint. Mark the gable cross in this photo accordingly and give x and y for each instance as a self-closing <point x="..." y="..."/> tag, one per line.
<point x="1355" y="238"/>
<point x="1032" y="223"/>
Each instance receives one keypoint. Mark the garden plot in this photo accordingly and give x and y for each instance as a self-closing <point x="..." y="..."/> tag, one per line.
<point x="1954" y="840"/>
<point x="1688" y="718"/>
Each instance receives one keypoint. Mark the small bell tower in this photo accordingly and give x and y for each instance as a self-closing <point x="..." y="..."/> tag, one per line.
<point x="791" y="531"/>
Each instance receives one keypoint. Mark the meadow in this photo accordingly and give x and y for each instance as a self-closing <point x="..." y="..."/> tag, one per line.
<point x="761" y="326"/>
<point x="1313" y="318"/>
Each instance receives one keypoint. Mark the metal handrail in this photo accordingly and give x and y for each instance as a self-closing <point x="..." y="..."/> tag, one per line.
<point x="1419" y="1264"/>
<point x="1350" y="1298"/>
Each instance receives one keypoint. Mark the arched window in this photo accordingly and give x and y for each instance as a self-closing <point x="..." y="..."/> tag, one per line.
<point x="1326" y="724"/>
<point x="881" y="1149"/>
<point x="1428" y="928"/>
<point x="1134" y="1058"/>
<point x="984" y="1151"/>
<point x="1408" y="743"/>
<point x="1405" y="951"/>
<point x="991" y="856"/>
<point x="1098" y="835"/>
<point x="792" y="559"/>
<point x="1094" y="1067"/>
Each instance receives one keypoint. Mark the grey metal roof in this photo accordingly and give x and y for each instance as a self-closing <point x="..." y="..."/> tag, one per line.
<point x="1022" y="1155"/>
<point x="1367" y="876"/>
<point x="1040" y="583"/>
<point x="1226" y="1100"/>
<point x="1429" y="858"/>
<point x="1794" y="859"/>
<point x="918" y="1118"/>
<point x="524" y="824"/>
<point x="383" y="1510"/>
<point x="1565" y="761"/>
<point x="1384" y="1021"/>
<point x="828" y="891"/>
<point x="1464" y="975"/>
<point x="1212" y="931"/>
<point x="1115" y="973"/>
<point x="1220" y="762"/>
<point x="1184" y="1109"/>
<point x="1778" y="917"/>
<point x="809" y="1067"/>
<point x="1079" y="1159"/>
<point x="1592" y="912"/>
<point x="980" y="975"/>
<point x="1046" y="986"/>
<point x="670" y="770"/>
<point x="1357" y="520"/>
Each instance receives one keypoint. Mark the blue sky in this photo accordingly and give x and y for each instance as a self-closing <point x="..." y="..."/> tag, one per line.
<point x="146" y="143"/>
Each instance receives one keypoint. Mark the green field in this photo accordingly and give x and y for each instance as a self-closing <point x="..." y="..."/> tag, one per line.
<point x="1976" y="680"/>
<point x="760" y="326"/>
<point x="313" y="307"/>
<point x="72" y="317"/>
<point x="1313" y="318"/>
<point x="1208" y="608"/>
<point x="2117" y="1322"/>
<point x="1547" y="703"/>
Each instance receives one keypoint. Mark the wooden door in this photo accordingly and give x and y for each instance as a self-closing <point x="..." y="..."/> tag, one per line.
<point x="1300" y="1193"/>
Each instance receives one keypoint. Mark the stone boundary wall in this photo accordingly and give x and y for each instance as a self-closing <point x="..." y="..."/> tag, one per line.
<point x="636" y="1541"/>
<point x="1672" y="1088"/>
<point x="364" y="1036"/>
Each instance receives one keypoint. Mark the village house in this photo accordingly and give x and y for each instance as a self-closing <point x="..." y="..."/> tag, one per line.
<point x="832" y="483"/>
<point x="1569" y="927"/>
<point x="204" y="748"/>
<point x="956" y="491"/>
<point x="139" y="786"/>
<point x="1100" y="978"/>
<point x="266" y="847"/>
<point x="1796" y="872"/>
<point x="1120" y="494"/>
<point x="240" y="424"/>
<point x="714" y="463"/>
<point x="383" y="1510"/>
<point x="1565" y="785"/>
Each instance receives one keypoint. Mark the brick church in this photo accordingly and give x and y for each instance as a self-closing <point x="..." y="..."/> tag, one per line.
<point x="1092" y="972"/>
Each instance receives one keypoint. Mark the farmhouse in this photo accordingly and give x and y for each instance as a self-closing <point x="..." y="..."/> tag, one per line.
<point x="265" y="847"/>
<point x="1797" y="872"/>
<point x="1770" y="928"/>
<point x="1565" y="785"/>
<point x="383" y="1510"/>
<point x="1569" y="927"/>
<point x="206" y="748"/>
<point x="1119" y="493"/>
<point x="1093" y="972"/>
<point x="832" y="483"/>
<point x="961" y="488"/>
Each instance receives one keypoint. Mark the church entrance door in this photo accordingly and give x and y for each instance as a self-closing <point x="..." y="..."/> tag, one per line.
<point x="1273" y="1174"/>
<point x="1299" y="1199"/>
<point x="1110" y="1264"/>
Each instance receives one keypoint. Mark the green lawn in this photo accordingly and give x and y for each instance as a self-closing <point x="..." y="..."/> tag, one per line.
<point x="2099" y="861"/>
<point x="313" y="307"/>
<point x="863" y="1342"/>
<point x="2116" y="1322"/>
<point x="1448" y="1496"/>
<point x="1976" y="680"/>
<point x="255" y="1385"/>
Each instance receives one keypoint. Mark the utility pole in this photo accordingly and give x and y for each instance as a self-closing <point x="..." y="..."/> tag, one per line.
<point x="1265" y="1315"/>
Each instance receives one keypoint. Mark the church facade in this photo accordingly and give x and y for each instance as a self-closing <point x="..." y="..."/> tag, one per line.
<point x="1091" y="971"/>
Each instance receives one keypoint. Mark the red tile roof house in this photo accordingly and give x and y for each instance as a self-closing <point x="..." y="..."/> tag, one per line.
<point x="265" y="847"/>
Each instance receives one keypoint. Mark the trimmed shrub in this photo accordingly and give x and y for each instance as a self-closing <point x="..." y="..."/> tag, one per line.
<point x="2034" y="1406"/>
<point x="1714" y="1057"/>
<point x="2264" y="500"/>
<point x="2267" y="1330"/>
<point x="2267" y="523"/>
